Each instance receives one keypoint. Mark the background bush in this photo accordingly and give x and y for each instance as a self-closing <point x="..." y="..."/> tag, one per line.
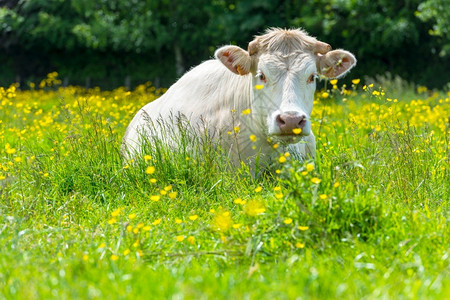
<point x="121" y="42"/>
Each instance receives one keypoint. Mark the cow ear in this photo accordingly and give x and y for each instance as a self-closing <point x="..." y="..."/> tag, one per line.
<point x="236" y="59"/>
<point x="336" y="63"/>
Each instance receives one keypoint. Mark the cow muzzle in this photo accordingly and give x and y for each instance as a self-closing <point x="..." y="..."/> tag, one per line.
<point x="289" y="122"/>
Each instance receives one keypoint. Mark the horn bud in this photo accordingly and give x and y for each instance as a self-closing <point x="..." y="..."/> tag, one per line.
<point x="322" y="48"/>
<point x="253" y="47"/>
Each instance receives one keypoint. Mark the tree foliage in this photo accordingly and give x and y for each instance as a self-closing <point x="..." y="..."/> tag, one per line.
<point x="438" y="13"/>
<point x="107" y="40"/>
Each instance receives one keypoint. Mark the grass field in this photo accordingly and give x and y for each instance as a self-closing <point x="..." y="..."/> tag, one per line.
<point x="367" y="219"/>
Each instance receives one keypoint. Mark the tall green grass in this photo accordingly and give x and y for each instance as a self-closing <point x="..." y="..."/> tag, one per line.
<point x="366" y="219"/>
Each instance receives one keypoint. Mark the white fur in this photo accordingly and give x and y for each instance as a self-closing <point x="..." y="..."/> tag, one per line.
<point x="213" y="94"/>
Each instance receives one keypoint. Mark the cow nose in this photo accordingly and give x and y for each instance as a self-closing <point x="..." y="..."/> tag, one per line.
<point x="289" y="121"/>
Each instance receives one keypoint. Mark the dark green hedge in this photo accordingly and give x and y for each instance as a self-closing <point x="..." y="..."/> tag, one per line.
<point x="102" y="42"/>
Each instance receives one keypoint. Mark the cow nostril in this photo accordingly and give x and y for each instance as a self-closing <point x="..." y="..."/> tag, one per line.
<point x="302" y="123"/>
<point x="280" y="121"/>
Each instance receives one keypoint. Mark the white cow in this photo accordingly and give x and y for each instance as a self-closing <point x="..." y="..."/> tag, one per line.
<point x="252" y="99"/>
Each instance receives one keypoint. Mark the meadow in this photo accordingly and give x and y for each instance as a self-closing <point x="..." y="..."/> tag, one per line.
<point x="367" y="219"/>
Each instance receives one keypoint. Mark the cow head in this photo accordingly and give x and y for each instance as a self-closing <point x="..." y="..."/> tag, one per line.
<point x="284" y="65"/>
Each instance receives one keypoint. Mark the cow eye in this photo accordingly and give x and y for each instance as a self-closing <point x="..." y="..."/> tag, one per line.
<point x="312" y="78"/>
<point x="260" y="75"/>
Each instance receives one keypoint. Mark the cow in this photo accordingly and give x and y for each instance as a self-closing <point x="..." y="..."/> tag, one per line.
<point x="254" y="100"/>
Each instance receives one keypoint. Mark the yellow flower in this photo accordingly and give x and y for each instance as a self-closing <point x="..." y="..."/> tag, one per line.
<point x="191" y="239"/>
<point x="126" y="252"/>
<point x="253" y="138"/>
<point x="102" y="245"/>
<point x="323" y="196"/>
<point x="275" y="146"/>
<point x="112" y="221"/>
<point x="287" y="221"/>
<point x="193" y="217"/>
<point x="297" y="130"/>
<point x="254" y="208"/>
<point x="336" y="184"/>
<point x="153" y="180"/>
<point x="238" y="201"/>
<point x="172" y="195"/>
<point x="325" y="95"/>
<point x="315" y="180"/>
<point x="150" y="170"/>
<point x="246" y="111"/>
<point x="258" y="189"/>
<point x="278" y="195"/>
<point x="147" y="228"/>
<point x="356" y="81"/>
<point x="282" y="159"/>
<point x="131" y="216"/>
<point x="116" y="212"/>
<point x="157" y="221"/>
<point x="302" y="228"/>
<point x="114" y="257"/>
<point x="168" y="188"/>
<point x="140" y="225"/>
<point x="18" y="159"/>
<point x="180" y="238"/>
<point x="85" y="257"/>
<point x="236" y="129"/>
<point x="259" y="86"/>
<point x="309" y="167"/>
<point x="178" y="221"/>
<point x="300" y="245"/>
<point x="129" y="228"/>
<point x="237" y="225"/>
<point x="163" y="192"/>
<point x="287" y="154"/>
<point x="10" y="150"/>
<point x="333" y="81"/>
<point x="155" y="198"/>
<point x="222" y="221"/>
<point x="147" y="158"/>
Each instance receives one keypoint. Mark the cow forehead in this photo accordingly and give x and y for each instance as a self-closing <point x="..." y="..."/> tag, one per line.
<point x="296" y="62"/>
